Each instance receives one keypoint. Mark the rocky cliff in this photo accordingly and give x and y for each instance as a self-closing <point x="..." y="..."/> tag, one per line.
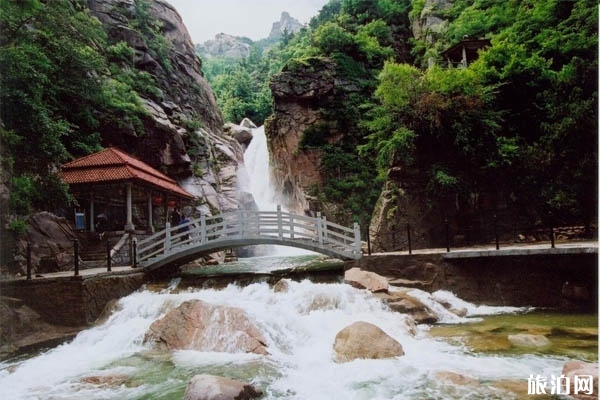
<point x="183" y="129"/>
<point x="285" y="24"/>
<point x="224" y="45"/>
<point x="301" y="92"/>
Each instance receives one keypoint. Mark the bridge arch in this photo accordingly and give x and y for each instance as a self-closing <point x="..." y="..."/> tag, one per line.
<point x="188" y="241"/>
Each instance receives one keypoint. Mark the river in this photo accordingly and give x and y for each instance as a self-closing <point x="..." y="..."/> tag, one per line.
<point x="300" y="326"/>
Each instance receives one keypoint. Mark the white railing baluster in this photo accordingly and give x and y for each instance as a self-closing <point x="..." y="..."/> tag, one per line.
<point x="241" y="223"/>
<point x="324" y="223"/>
<point x="279" y="222"/>
<point x="291" y="226"/>
<point x="202" y="229"/>
<point x="357" y="243"/>
<point x="319" y="228"/>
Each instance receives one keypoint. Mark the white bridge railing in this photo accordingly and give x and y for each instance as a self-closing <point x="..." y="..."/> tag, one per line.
<point x="243" y="227"/>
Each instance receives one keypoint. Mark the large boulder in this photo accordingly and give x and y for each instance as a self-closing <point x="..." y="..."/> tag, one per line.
<point x="406" y="304"/>
<point x="209" y="387"/>
<point x="366" y="280"/>
<point x="581" y="369"/>
<point x="528" y="340"/>
<point x="364" y="340"/>
<point x="197" y="325"/>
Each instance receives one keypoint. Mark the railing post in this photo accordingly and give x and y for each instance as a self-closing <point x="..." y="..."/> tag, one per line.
<point x="408" y="237"/>
<point x="496" y="232"/>
<point x="167" y="245"/>
<point x="325" y="232"/>
<point x="28" y="255"/>
<point x="291" y="226"/>
<point x="357" y="243"/>
<point x="368" y="242"/>
<point x="134" y="252"/>
<point x="202" y="228"/>
<point x="319" y="228"/>
<point x="76" y="256"/>
<point x="447" y="235"/>
<point x="552" y="237"/>
<point x="108" y="257"/>
<point x="279" y="222"/>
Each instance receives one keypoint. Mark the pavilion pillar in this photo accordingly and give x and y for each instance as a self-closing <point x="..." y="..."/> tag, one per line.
<point x="150" y="222"/>
<point x="128" y="211"/>
<point x="92" y="213"/>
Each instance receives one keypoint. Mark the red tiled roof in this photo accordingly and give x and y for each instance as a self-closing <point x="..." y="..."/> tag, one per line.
<point x="111" y="165"/>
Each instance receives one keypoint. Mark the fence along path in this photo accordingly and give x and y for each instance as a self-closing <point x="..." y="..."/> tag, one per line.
<point x="187" y="241"/>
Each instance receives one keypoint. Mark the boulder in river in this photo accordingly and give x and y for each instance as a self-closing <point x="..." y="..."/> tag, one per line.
<point x="581" y="369"/>
<point x="197" y="325"/>
<point x="364" y="340"/>
<point x="404" y="303"/>
<point x="366" y="280"/>
<point x="210" y="387"/>
<point x="528" y="340"/>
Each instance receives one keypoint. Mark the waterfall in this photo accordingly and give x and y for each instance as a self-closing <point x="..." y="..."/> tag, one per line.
<point x="258" y="179"/>
<point x="299" y="327"/>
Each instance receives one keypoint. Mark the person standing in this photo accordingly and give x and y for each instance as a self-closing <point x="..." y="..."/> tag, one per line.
<point x="175" y="217"/>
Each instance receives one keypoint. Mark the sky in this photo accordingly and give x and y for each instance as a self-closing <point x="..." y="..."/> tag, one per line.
<point x="250" y="18"/>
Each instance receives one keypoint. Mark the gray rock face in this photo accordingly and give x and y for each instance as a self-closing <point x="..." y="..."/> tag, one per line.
<point x="224" y="45"/>
<point x="285" y="24"/>
<point x="430" y="23"/>
<point x="183" y="97"/>
<point x="366" y="280"/>
<point x="364" y="340"/>
<point x="197" y="325"/>
<point x="210" y="387"/>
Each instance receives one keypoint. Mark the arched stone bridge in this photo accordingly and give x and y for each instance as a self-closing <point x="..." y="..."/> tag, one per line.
<point x="184" y="243"/>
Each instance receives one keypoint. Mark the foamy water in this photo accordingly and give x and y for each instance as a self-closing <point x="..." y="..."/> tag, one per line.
<point x="299" y="326"/>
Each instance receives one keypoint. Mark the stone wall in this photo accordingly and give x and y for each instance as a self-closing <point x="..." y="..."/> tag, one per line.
<point x="560" y="281"/>
<point x="72" y="301"/>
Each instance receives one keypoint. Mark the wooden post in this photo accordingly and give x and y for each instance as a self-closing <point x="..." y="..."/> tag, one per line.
<point x="409" y="239"/>
<point x="167" y="245"/>
<point x="325" y="233"/>
<point x="28" y="255"/>
<point x="279" y="222"/>
<point x="368" y="242"/>
<point x="496" y="232"/>
<point x="552" y="237"/>
<point x="447" y="235"/>
<point x="357" y="244"/>
<point x="319" y="228"/>
<point x="129" y="227"/>
<point x="291" y="226"/>
<point x="108" y="257"/>
<point x="150" y="216"/>
<point x="202" y="228"/>
<point x="76" y="256"/>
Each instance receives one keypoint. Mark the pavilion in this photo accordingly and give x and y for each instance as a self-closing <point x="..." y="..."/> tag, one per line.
<point x="464" y="52"/>
<point x="114" y="183"/>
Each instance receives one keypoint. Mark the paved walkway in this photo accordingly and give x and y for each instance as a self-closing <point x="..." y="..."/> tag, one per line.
<point x="583" y="247"/>
<point x="571" y="247"/>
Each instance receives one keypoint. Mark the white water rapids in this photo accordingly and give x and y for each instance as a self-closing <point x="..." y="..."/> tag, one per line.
<point x="299" y="326"/>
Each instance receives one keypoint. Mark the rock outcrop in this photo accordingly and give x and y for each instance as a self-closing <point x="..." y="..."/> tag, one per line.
<point x="404" y="303"/>
<point x="430" y="23"/>
<point x="210" y="387"/>
<point x="364" y="340"/>
<point x="286" y="24"/>
<point x="300" y="92"/>
<point x="183" y="132"/>
<point x="224" y="45"/>
<point x="197" y="325"/>
<point x="366" y="280"/>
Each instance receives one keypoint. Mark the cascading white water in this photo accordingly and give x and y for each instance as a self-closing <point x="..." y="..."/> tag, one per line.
<point x="299" y="326"/>
<point x="258" y="179"/>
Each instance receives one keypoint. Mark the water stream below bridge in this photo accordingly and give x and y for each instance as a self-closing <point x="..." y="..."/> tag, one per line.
<point x="300" y="326"/>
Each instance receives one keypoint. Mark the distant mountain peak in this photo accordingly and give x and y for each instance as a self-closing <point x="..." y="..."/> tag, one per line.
<point x="285" y="23"/>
